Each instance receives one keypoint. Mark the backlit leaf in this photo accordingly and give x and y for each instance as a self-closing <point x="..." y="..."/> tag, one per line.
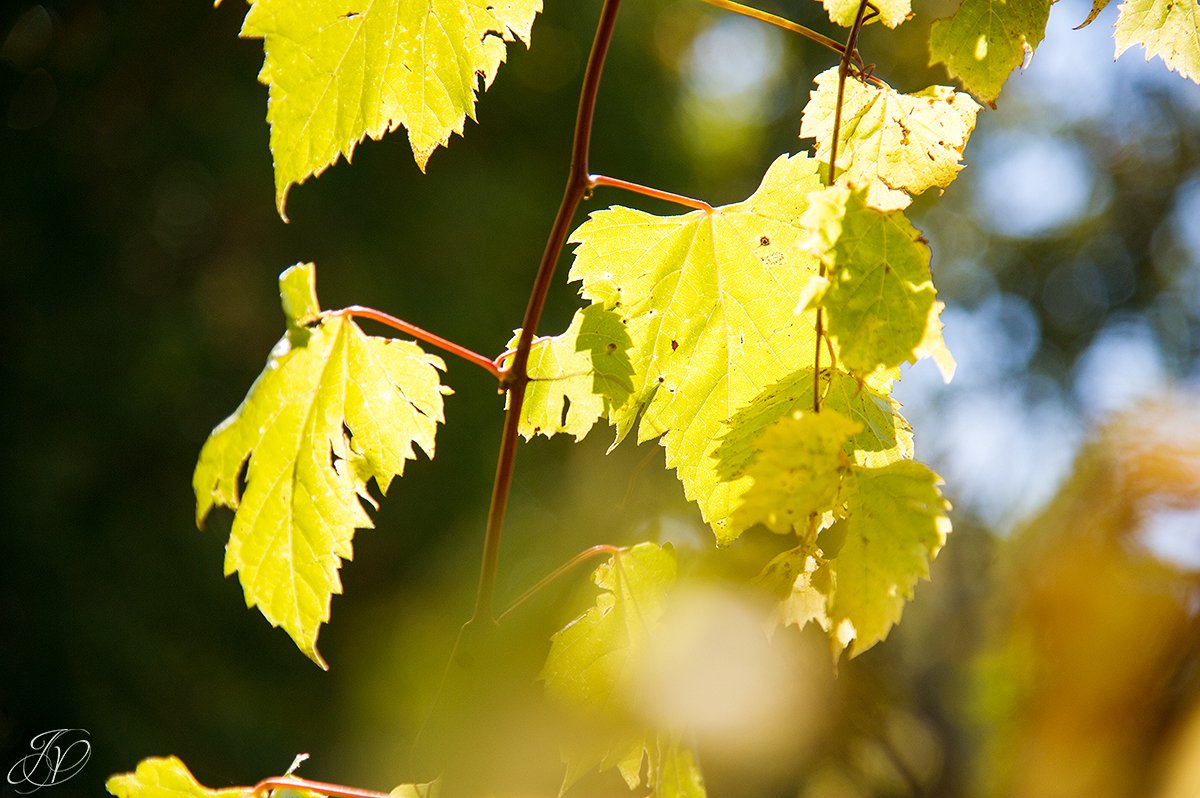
<point x="710" y="304"/>
<point x="333" y="409"/>
<point x="1169" y="29"/>
<point x="881" y="304"/>
<point x="891" y="12"/>
<point x="855" y="585"/>
<point x="797" y="472"/>
<point x="896" y="523"/>
<point x="165" y="777"/>
<point x="577" y="377"/>
<point x="882" y="435"/>
<point x="890" y="144"/>
<point x="592" y="661"/>
<point x="985" y="40"/>
<point x="341" y="70"/>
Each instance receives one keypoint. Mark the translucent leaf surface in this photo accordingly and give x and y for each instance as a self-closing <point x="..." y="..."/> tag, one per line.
<point x="891" y="12"/>
<point x="855" y="585"/>
<point x="577" y="377"/>
<point x="881" y="303"/>
<point x="895" y="525"/>
<point x="985" y="40"/>
<point x="341" y="70"/>
<point x="882" y="435"/>
<point x="890" y="144"/>
<point x="1169" y="29"/>
<point x="710" y="303"/>
<point x="592" y="660"/>
<point x="165" y="777"/>
<point x="589" y="659"/>
<point x="333" y="409"/>
<point x="797" y="472"/>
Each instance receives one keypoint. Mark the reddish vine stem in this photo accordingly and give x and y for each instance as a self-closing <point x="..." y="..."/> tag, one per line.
<point x="848" y="55"/>
<point x="546" y="581"/>
<point x="596" y="181"/>
<point x="360" y="312"/>
<point x="332" y="790"/>
<point x="516" y="378"/>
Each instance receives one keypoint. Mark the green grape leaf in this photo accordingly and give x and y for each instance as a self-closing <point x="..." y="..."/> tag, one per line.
<point x="1169" y="29"/>
<point x="882" y="435"/>
<point x="591" y="661"/>
<point x="890" y="144"/>
<point x="856" y="585"/>
<point x="881" y="303"/>
<point x="165" y="777"/>
<point x="714" y="305"/>
<point x="891" y="12"/>
<point x="576" y="377"/>
<point x="806" y="599"/>
<point x="896" y="523"/>
<point x="341" y="70"/>
<point x="798" y="470"/>
<point x="333" y="409"/>
<point x="985" y="40"/>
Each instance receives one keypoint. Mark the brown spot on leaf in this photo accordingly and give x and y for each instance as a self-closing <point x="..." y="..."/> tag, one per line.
<point x="764" y="241"/>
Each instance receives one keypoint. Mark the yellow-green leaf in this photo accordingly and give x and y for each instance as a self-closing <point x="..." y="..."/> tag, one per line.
<point x="589" y="659"/>
<point x="855" y="582"/>
<point x="890" y="144"/>
<point x="891" y="12"/>
<point x="165" y="777"/>
<point x="577" y="377"/>
<point x="592" y="660"/>
<point x="895" y="524"/>
<point x="985" y="40"/>
<point x="1169" y="29"/>
<point x="333" y="409"/>
<point x="882" y="436"/>
<point x="714" y="307"/>
<point x="881" y="303"/>
<point x="798" y="470"/>
<point x="341" y="70"/>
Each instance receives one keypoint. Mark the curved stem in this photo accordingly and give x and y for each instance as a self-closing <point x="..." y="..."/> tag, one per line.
<point x="596" y="181"/>
<point x="545" y="581"/>
<point x="779" y="22"/>
<point x="516" y="377"/>
<point x="360" y="312"/>
<point x="849" y="53"/>
<point x="848" y="56"/>
<point x="333" y="790"/>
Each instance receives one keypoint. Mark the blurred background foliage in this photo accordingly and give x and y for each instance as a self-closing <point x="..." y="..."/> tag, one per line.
<point x="1055" y="651"/>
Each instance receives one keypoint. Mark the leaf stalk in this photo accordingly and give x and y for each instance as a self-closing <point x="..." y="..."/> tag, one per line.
<point x="361" y="312"/>
<point x="596" y="181"/>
